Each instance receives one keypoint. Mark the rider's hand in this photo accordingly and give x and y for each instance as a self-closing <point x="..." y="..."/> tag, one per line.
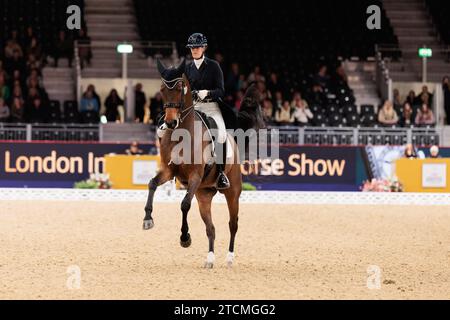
<point x="202" y="94"/>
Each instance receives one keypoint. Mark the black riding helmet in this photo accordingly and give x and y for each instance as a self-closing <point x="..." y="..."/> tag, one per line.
<point x="197" y="40"/>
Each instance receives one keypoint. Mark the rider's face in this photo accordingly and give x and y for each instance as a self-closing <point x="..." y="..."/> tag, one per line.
<point x="197" y="53"/>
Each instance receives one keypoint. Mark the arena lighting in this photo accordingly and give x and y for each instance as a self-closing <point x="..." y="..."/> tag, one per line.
<point x="125" y="48"/>
<point x="425" y="52"/>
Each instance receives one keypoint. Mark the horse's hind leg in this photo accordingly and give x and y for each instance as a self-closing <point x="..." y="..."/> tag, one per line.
<point x="233" y="208"/>
<point x="204" y="198"/>
<point x="193" y="184"/>
<point x="160" y="178"/>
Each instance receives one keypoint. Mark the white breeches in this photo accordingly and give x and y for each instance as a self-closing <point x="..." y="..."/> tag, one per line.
<point x="211" y="109"/>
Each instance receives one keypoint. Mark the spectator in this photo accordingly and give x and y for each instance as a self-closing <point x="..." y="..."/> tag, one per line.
<point x="232" y="82"/>
<point x="256" y="75"/>
<point x="321" y="78"/>
<point x="238" y="101"/>
<point x="29" y="35"/>
<point x="267" y="111"/>
<point x="32" y="63"/>
<point x="17" y="77"/>
<point x="341" y="77"/>
<point x="387" y="115"/>
<point x="156" y="107"/>
<point x="91" y="88"/>
<point x="397" y="103"/>
<point x="434" y="152"/>
<point x="139" y="101"/>
<point x="89" y="104"/>
<point x="17" y="110"/>
<point x="16" y="63"/>
<point x="134" y="149"/>
<point x="302" y="113"/>
<point x="4" y="111"/>
<point x="410" y="152"/>
<point x="278" y="99"/>
<point x="4" y="89"/>
<point x="425" y="96"/>
<point x="424" y="115"/>
<point x="63" y="49"/>
<point x="297" y="98"/>
<point x="34" y="49"/>
<point x="84" y="49"/>
<point x="406" y="118"/>
<point x="446" y="93"/>
<point x="273" y="85"/>
<point x="34" y="79"/>
<point x="37" y="111"/>
<point x="285" y="114"/>
<point x="317" y="95"/>
<point x="112" y="103"/>
<point x="13" y="46"/>
<point x="411" y="98"/>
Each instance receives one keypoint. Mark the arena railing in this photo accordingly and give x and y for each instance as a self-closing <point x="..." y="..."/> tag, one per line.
<point x="49" y="132"/>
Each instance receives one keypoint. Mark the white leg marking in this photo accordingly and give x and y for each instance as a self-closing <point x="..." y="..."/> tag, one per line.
<point x="230" y="258"/>
<point x="210" y="258"/>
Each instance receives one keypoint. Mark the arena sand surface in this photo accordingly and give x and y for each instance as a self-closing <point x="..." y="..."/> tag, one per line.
<point x="282" y="252"/>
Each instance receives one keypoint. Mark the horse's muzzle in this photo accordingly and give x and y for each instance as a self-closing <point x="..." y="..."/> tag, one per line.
<point x="172" y="124"/>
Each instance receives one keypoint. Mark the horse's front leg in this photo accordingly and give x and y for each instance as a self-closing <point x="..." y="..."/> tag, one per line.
<point x="193" y="184"/>
<point x="160" y="178"/>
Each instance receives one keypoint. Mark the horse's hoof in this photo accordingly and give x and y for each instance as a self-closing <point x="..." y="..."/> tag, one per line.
<point x="230" y="259"/>
<point x="148" y="224"/>
<point x="209" y="263"/>
<point x="186" y="243"/>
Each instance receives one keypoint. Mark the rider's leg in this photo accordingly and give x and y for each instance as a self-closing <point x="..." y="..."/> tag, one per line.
<point x="222" y="181"/>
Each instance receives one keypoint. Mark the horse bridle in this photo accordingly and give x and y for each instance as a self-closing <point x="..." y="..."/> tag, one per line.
<point x="170" y="84"/>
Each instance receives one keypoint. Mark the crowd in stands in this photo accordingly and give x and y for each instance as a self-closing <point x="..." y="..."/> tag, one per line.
<point x="23" y="97"/>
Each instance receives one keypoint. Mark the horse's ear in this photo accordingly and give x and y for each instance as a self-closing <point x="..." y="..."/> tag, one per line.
<point x="182" y="66"/>
<point x="161" y="67"/>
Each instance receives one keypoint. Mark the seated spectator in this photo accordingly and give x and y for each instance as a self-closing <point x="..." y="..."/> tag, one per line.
<point x="410" y="152"/>
<point x="273" y="85"/>
<point x="89" y="103"/>
<point x="4" y="89"/>
<point x="302" y="113"/>
<point x="34" y="49"/>
<point x="32" y="63"/>
<point x="16" y="63"/>
<point x="425" y="96"/>
<point x="406" y="118"/>
<point x="140" y="100"/>
<point x="321" y="78"/>
<point x="156" y="107"/>
<point x="12" y="45"/>
<point x="84" y="48"/>
<point x="63" y="48"/>
<point x="37" y="111"/>
<point x="17" y="110"/>
<point x="256" y="75"/>
<point x="296" y="98"/>
<point x="387" y="115"/>
<point x="397" y="103"/>
<point x="277" y="100"/>
<point x="434" y="152"/>
<point x="91" y="88"/>
<point x="4" y="111"/>
<point x="112" y="103"/>
<point x="267" y="112"/>
<point x="134" y="149"/>
<point x="341" y="77"/>
<point x="285" y="114"/>
<point x="17" y="77"/>
<point x="411" y="98"/>
<point x="29" y="35"/>
<point x="424" y="116"/>
<point x="317" y="94"/>
<point x="239" y="96"/>
<point x="35" y="79"/>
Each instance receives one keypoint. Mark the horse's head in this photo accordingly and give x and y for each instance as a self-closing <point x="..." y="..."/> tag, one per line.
<point x="176" y="93"/>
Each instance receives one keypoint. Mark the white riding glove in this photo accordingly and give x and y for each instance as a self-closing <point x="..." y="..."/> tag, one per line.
<point x="202" y="94"/>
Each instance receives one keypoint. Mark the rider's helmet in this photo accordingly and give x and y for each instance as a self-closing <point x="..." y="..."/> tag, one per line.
<point x="197" y="40"/>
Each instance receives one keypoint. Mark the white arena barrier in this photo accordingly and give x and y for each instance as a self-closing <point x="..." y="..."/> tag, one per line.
<point x="271" y="197"/>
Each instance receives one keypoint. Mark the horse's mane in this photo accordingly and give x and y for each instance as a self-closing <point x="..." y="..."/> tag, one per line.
<point x="250" y="113"/>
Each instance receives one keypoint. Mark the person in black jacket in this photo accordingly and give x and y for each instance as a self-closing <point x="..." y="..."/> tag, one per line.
<point x="206" y="80"/>
<point x="446" y="93"/>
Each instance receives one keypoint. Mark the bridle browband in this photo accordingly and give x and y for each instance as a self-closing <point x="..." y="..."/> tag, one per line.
<point x="170" y="84"/>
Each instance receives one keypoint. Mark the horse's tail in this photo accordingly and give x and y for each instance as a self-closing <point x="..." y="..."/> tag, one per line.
<point x="250" y="117"/>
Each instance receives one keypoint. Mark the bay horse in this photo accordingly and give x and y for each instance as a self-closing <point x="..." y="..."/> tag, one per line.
<point x="198" y="178"/>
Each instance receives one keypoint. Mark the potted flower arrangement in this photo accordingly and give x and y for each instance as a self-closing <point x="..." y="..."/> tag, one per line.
<point x="95" y="181"/>
<point x="382" y="185"/>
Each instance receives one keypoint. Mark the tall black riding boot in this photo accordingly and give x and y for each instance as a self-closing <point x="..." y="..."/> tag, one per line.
<point x="222" y="181"/>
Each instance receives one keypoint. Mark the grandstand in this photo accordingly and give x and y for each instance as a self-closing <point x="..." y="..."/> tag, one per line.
<point x="363" y="66"/>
